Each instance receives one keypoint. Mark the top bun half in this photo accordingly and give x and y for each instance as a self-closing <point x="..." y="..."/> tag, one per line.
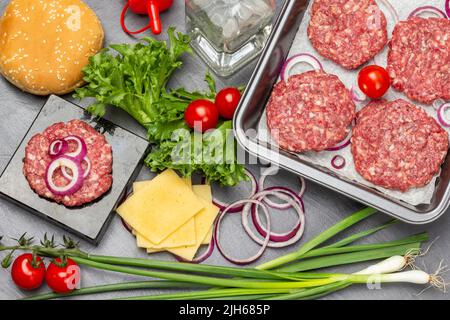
<point x="45" y="44"/>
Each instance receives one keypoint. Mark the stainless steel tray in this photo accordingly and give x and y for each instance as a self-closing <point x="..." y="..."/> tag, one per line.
<point x="252" y="108"/>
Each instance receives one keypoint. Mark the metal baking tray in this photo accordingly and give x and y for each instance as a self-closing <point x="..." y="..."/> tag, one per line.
<point x="253" y="106"/>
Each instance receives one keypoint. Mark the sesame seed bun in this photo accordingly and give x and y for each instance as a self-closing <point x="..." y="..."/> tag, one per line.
<point x="45" y="44"/>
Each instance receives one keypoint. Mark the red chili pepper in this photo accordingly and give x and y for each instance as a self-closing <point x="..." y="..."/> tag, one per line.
<point x="152" y="8"/>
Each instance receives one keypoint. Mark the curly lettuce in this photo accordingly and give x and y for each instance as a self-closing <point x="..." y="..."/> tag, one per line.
<point x="133" y="77"/>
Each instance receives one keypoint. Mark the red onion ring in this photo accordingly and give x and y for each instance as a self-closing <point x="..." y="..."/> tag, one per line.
<point x="441" y="115"/>
<point x="126" y="226"/>
<point x="274" y="205"/>
<point x="338" y="162"/>
<point x="299" y="58"/>
<point x="266" y="239"/>
<point x="86" y="172"/>
<point x="357" y="95"/>
<point x="438" y="103"/>
<point x="75" y="183"/>
<point x="343" y="144"/>
<point x="81" y="150"/>
<point x="430" y="9"/>
<point x="392" y="10"/>
<point x="58" y="148"/>
<point x="204" y="256"/>
<point x="223" y="205"/>
<point x="447" y="8"/>
<point x="278" y="240"/>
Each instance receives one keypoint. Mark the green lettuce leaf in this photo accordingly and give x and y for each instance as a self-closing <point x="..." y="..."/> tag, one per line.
<point x="133" y="77"/>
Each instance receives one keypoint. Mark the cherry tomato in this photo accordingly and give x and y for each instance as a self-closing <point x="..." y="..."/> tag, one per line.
<point x="28" y="273"/>
<point x="374" y="81"/>
<point x="63" y="276"/>
<point x="201" y="115"/>
<point x="227" y="101"/>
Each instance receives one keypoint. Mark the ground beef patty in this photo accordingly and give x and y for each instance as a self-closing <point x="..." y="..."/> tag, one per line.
<point x="397" y="145"/>
<point x="312" y="111"/>
<point x="419" y="59"/>
<point x="99" y="152"/>
<point x="349" y="32"/>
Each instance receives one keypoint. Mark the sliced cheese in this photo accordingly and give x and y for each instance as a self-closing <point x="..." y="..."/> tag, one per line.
<point x="185" y="235"/>
<point x="139" y="185"/>
<point x="161" y="207"/>
<point x="203" y="224"/>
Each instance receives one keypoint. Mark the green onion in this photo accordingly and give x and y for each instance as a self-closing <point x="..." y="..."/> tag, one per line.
<point x="321" y="238"/>
<point x="352" y="257"/>
<point x="157" y="284"/>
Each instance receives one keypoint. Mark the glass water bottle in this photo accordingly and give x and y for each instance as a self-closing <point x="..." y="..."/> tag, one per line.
<point x="227" y="34"/>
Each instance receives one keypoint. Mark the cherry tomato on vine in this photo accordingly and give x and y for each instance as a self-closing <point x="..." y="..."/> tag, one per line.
<point x="227" y="101"/>
<point x="28" y="271"/>
<point x="374" y="81"/>
<point x="201" y="115"/>
<point x="63" y="275"/>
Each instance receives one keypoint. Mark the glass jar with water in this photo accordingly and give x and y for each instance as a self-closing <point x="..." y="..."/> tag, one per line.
<point x="227" y="34"/>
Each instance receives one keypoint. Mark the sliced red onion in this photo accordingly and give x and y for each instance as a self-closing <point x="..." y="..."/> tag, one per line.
<point x="392" y="10"/>
<point x="338" y="162"/>
<point x="357" y="95"/>
<point x="81" y="150"/>
<point x="278" y="240"/>
<point x="438" y="103"/>
<point x="58" y="148"/>
<point x="223" y="205"/>
<point x="275" y="205"/>
<point x="67" y="175"/>
<point x="443" y="120"/>
<point x="429" y="9"/>
<point x="75" y="183"/>
<point x="296" y="59"/>
<point x="209" y="251"/>
<point x="447" y="8"/>
<point x="343" y="144"/>
<point x="264" y="243"/>
<point x="126" y="226"/>
<point x="289" y="192"/>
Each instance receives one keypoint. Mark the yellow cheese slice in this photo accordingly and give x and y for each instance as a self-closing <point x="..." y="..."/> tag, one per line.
<point x="207" y="195"/>
<point x="139" y="185"/>
<point x="203" y="223"/>
<point x="185" y="235"/>
<point x="161" y="207"/>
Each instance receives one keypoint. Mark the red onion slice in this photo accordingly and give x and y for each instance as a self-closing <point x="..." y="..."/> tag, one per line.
<point x="275" y="205"/>
<point x="438" y="103"/>
<point x="278" y="240"/>
<point x="343" y="144"/>
<point x="391" y="10"/>
<point x="447" y="8"/>
<point x="58" y="148"/>
<point x="75" y="183"/>
<point x="296" y="59"/>
<point x="338" y="162"/>
<point x="204" y="256"/>
<point x="264" y="243"/>
<point x="126" y="226"/>
<point x="223" y="205"/>
<point x="81" y="150"/>
<point x="428" y="9"/>
<point x="443" y="120"/>
<point x="357" y="95"/>
<point x="67" y="175"/>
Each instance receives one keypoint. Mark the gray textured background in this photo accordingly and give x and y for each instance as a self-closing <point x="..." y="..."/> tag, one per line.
<point x="323" y="208"/>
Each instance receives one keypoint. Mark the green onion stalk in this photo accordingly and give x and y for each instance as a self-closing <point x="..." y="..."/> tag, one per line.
<point x="284" y="278"/>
